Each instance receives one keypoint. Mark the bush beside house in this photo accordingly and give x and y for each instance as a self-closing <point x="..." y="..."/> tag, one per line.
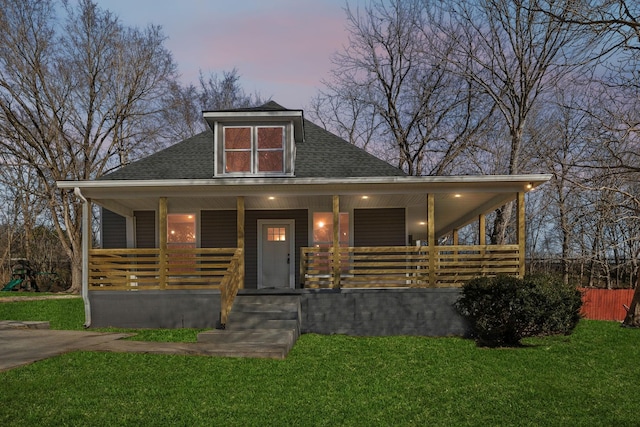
<point x="504" y="309"/>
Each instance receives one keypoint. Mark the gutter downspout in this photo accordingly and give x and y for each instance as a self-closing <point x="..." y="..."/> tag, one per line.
<point x="85" y="255"/>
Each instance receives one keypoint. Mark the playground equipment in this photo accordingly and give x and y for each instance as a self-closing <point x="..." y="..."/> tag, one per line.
<point x="22" y="277"/>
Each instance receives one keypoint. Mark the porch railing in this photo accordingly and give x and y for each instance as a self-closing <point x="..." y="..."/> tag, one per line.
<point x="145" y="269"/>
<point x="405" y="266"/>
<point x="230" y="285"/>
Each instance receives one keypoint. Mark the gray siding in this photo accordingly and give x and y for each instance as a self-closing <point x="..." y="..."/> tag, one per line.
<point x="379" y="227"/>
<point x="114" y="230"/>
<point x="251" y="240"/>
<point x="218" y="229"/>
<point x="145" y="229"/>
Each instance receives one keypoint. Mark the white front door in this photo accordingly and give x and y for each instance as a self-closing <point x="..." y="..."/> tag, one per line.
<point x="276" y="256"/>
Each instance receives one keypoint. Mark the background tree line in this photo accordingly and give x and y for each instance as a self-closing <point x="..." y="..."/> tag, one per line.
<point x="434" y="87"/>
<point x="507" y="87"/>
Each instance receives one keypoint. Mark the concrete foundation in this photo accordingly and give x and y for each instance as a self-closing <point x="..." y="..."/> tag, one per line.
<point x="359" y="312"/>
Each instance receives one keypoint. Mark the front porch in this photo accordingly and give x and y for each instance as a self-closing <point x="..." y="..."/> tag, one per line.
<point x="336" y="236"/>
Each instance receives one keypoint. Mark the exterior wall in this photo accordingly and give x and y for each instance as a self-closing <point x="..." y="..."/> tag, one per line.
<point x="218" y="229"/>
<point x="251" y="240"/>
<point x="358" y="312"/>
<point x="113" y="230"/>
<point x="381" y="312"/>
<point x="155" y="309"/>
<point x="145" y="229"/>
<point x="379" y="227"/>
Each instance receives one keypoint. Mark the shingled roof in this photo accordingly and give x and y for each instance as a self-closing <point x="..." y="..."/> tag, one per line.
<point x="321" y="155"/>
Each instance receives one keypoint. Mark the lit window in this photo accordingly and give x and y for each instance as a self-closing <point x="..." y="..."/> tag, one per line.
<point x="181" y="231"/>
<point x="323" y="229"/>
<point x="276" y="234"/>
<point x="258" y="149"/>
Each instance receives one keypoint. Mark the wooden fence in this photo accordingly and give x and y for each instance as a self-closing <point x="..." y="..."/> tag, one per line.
<point x="606" y="304"/>
<point x="405" y="266"/>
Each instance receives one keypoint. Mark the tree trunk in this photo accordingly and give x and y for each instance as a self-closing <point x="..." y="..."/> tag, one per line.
<point x="632" y="319"/>
<point x="76" y="273"/>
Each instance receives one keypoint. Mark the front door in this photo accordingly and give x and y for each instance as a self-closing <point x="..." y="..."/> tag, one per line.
<point x="276" y="256"/>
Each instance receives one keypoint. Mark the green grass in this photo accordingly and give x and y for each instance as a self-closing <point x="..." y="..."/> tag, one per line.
<point x="590" y="378"/>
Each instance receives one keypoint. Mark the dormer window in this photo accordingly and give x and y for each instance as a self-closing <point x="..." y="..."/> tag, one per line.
<point x="254" y="149"/>
<point x="256" y="141"/>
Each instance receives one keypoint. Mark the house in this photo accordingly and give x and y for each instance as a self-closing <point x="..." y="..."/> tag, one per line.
<point x="267" y="203"/>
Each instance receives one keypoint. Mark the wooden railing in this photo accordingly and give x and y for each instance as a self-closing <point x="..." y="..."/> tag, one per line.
<point x="230" y="285"/>
<point x="143" y="269"/>
<point x="458" y="264"/>
<point x="405" y="266"/>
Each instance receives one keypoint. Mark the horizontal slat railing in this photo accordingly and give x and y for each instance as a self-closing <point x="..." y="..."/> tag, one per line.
<point x="143" y="269"/>
<point x="406" y="266"/>
<point x="366" y="267"/>
<point x="457" y="264"/>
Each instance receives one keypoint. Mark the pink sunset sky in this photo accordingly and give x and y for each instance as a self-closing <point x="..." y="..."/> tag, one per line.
<point x="281" y="48"/>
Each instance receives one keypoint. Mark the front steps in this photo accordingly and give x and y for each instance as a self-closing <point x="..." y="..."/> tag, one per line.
<point x="259" y="326"/>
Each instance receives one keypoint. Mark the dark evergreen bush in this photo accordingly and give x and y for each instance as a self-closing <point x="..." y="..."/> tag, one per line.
<point x="504" y="309"/>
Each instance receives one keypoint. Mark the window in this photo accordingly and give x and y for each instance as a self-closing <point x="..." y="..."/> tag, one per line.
<point x="277" y="234"/>
<point x="323" y="229"/>
<point x="181" y="231"/>
<point x="254" y="149"/>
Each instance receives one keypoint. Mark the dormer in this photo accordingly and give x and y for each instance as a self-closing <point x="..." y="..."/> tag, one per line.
<point x="259" y="141"/>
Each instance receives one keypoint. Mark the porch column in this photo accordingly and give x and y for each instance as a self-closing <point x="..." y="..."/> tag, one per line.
<point x="431" y="239"/>
<point x="482" y="241"/>
<point x="521" y="234"/>
<point x="162" y="219"/>
<point x="455" y="241"/>
<point x="240" y="231"/>
<point x="336" y="242"/>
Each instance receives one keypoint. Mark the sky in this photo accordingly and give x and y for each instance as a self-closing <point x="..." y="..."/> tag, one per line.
<point x="281" y="48"/>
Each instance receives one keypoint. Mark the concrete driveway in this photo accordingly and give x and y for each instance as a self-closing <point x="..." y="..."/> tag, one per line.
<point x="22" y="343"/>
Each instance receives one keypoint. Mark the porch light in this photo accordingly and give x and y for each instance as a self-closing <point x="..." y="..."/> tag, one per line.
<point x="529" y="186"/>
<point x="365" y="197"/>
<point x="271" y="198"/>
<point x="422" y="223"/>
<point x="457" y="195"/>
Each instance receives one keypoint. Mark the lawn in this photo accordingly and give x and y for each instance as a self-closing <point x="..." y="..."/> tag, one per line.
<point x="590" y="378"/>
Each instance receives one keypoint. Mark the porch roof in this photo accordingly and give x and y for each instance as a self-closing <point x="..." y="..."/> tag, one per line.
<point x="458" y="199"/>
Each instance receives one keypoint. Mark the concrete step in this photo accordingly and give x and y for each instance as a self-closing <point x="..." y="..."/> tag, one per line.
<point x="250" y="306"/>
<point x="258" y="323"/>
<point x="271" y="322"/>
<point x="271" y="340"/>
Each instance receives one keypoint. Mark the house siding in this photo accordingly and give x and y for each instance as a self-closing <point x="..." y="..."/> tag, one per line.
<point x="251" y="240"/>
<point x="114" y="230"/>
<point x="218" y="229"/>
<point x="145" y="229"/>
<point x="379" y="227"/>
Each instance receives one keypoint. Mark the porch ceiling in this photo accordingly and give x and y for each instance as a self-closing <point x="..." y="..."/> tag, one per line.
<point x="458" y="200"/>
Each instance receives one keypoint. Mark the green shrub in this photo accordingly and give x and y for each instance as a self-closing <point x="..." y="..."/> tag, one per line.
<point x="504" y="309"/>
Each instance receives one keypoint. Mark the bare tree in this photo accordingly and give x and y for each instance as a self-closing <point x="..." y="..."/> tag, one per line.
<point x="514" y="54"/>
<point x="213" y="92"/>
<point x="391" y="83"/>
<point x="80" y="94"/>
